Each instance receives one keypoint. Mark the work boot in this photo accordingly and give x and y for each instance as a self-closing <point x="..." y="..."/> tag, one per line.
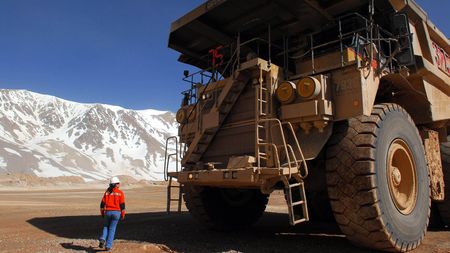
<point x="108" y="249"/>
<point x="101" y="243"/>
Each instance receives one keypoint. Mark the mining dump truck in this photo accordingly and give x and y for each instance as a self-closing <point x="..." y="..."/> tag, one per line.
<point x="344" y="105"/>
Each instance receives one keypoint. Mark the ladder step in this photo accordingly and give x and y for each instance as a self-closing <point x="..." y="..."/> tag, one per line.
<point x="298" y="207"/>
<point x="299" y="221"/>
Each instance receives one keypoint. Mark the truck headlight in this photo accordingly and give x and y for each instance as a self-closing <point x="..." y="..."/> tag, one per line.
<point x="308" y="87"/>
<point x="286" y="92"/>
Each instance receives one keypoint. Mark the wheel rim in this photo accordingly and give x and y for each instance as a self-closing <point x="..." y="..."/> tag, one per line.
<point x="401" y="177"/>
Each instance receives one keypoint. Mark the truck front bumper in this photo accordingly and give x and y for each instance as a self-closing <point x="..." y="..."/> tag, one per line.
<point x="252" y="177"/>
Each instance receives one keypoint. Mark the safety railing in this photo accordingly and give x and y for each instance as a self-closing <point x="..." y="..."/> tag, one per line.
<point x="297" y="145"/>
<point x="168" y="156"/>
<point x="368" y="36"/>
<point x="283" y="143"/>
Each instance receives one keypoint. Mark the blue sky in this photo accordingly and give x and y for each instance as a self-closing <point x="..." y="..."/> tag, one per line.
<point x="105" y="51"/>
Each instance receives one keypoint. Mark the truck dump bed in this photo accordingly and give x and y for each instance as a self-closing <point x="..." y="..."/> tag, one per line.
<point x="217" y="22"/>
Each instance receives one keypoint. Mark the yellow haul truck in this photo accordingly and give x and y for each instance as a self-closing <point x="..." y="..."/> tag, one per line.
<point x="342" y="104"/>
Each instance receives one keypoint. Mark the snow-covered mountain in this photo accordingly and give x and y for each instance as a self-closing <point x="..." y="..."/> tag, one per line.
<point x="50" y="137"/>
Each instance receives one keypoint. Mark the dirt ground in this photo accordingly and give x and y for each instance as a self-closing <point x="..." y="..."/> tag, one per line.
<point x="67" y="220"/>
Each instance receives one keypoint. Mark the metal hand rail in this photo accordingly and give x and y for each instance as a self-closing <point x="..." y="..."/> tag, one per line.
<point x="168" y="156"/>
<point x="277" y="158"/>
<point x="370" y="32"/>
<point x="297" y="143"/>
<point x="278" y="123"/>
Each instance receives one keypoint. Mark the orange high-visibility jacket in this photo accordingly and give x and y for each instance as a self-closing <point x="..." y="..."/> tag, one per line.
<point x="113" y="201"/>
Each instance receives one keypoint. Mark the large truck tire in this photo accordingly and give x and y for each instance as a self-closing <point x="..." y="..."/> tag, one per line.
<point x="378" y="181"/>
<point x="444" y="207"/>
<point x="225" y="209"/>
<point x="316" y="191"/>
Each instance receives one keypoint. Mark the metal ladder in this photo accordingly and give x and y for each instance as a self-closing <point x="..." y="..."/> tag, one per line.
<point x="173" y="185"/>
<point x="262" y="119"/>
<point x="296" y="201"/>
<point x="294" y="186"/>
<point x="264" y="122"/>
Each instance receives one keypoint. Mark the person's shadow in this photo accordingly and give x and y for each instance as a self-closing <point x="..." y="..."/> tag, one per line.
<point x="72" y="246"/>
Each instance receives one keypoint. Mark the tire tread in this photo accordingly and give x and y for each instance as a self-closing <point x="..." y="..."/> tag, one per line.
<point x="351" y="182"/>
<point x="444" y="207"/>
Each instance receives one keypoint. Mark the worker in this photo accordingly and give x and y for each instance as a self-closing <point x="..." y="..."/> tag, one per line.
<point x="112" y="208"/>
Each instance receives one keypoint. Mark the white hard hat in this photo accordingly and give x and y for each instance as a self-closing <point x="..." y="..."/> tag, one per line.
<point x="114" y="180"/>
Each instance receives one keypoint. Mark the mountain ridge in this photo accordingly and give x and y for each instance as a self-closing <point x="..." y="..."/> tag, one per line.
<point x="49" y="137"/>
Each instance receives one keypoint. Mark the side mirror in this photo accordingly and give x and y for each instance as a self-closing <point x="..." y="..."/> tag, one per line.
<point x="401" y="31"/>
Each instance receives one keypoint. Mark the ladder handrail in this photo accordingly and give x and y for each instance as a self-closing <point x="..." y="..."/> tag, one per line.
<point x="289" y="146"/>
<point x="168" y="156"/>
<point x="278" y="123"/>
<point x="297" y="143"/>
<point x="277" y="158"/>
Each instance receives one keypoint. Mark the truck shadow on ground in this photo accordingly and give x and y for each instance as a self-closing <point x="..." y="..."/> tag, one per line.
<point x="182" y="233"/>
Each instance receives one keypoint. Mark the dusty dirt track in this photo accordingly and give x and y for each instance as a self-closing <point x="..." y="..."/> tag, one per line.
<point x="68" y="221"/>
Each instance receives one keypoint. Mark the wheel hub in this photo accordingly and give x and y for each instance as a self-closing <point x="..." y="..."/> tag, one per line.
<point x="401" y="176"/>
<point x="396" y="177"/>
